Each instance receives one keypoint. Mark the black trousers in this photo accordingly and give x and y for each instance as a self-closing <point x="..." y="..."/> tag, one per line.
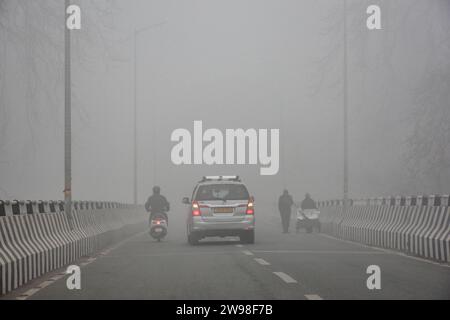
<point x="285" y="219"/>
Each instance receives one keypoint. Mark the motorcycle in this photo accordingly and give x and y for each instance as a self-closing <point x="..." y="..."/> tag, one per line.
<point x="308" y="219"/>
<point x="158" y="226"/>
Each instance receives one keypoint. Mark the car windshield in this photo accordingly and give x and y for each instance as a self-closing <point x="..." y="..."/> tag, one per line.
<point x="222" y="192"/>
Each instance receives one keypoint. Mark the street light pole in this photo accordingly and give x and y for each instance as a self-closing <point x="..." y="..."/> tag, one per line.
<point x="135" y="121"/>
<point x="345" y="111"/>
<point x="282" y="135"/>
<point x="67" y="121"/>
<point x="135" y="36"/>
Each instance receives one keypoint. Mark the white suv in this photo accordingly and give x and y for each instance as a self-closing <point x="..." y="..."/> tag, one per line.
<point x="220" y="206"/>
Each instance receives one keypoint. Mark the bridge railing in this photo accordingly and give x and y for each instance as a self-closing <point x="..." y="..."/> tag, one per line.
<point x="18" y="207"/>
<point x="417" y="225"/>
<point x="36" y="237"/>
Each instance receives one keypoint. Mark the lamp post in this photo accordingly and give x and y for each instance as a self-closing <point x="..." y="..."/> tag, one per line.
<point x="137" y="32"/>
<point x="345" y="101"/>
<point x="283" y="156"/>
<point x="67" y="121"/>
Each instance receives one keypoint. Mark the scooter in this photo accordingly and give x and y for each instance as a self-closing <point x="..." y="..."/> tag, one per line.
<point x="308" y="219"/>
<point x="158" y="226"/>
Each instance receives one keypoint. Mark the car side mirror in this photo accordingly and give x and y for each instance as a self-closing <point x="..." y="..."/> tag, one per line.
<point x="186" y="200"/>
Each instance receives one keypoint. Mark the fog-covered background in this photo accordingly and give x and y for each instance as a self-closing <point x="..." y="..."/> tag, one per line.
<point x="232" y="64"/>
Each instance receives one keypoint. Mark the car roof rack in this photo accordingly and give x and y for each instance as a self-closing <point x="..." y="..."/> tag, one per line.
<point x="220" y="178"/>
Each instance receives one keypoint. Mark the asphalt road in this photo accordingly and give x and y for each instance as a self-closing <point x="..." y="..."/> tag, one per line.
<point x="277" y="266"/>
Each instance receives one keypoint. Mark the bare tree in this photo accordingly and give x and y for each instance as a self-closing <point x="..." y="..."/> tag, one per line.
<point x="34" y="31"/>
<point x="428" y="155"/>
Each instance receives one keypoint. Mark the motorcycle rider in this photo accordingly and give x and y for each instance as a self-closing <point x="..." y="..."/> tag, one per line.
<point x="285" y="203"/>
<point x="157" y="203"/>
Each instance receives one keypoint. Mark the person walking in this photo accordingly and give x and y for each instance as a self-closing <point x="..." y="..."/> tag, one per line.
<point x="285" y="203"/>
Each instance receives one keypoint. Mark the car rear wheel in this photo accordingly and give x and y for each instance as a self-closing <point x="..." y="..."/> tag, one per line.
<point x="248" y="237"/>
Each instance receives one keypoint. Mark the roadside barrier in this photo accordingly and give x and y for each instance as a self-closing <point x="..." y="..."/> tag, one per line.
<point x="418" y="225"/>
<point x="35" y="236"/>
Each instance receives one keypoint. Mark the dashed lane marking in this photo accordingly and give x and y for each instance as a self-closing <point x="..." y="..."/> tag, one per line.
<point x="387" y="251"/>
<point x="262" y="262"/>
<point x="321" y="251"/>
<point x="313" y="297"/>
<point x="247" y="252"/>
<point x="60" y="275"/>
<point x="286" y="278"/>
<point x="166" y="254"/>
<point x="239" y="245"/>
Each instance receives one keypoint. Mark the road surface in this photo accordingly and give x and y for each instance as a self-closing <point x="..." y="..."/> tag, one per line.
<point x="277" y="266"/>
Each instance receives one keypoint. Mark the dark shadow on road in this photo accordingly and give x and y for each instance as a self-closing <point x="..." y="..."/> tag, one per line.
<point x="212" y="242"/>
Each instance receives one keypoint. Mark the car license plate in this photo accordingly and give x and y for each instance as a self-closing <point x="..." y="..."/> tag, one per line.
<point x="158" y="229"/>
<point x="223" y="210"/>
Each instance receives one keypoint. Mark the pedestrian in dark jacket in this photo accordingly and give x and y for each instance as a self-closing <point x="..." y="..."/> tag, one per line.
<point x="285" y="203"/>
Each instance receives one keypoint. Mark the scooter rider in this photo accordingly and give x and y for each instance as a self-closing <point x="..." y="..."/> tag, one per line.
<point x="157" y="203"/>
<point x="308" y="203"/>
<point x="304" y="220"/>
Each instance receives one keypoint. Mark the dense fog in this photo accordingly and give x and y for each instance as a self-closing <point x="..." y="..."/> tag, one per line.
<point x="230" y="64"/>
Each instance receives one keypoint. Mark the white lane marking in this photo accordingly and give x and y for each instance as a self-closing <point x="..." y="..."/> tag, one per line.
<point x="56" y="278"/>
<point x="117" y="245"/>
<point x="262" y="262"/>
<point x="387" y="251"/>
<point x="87" y="262"/>
<point x="320" y="251"/>
<point x="239" y="245"/>
<point x="60" y="275"/>
<point x="45" y="284"/>
<point x="176" y="253"/>
<point x="286" y="278"/>
<point x="313" y="297"/>
<point x="27" y="294"/>
<point x="247" y="252"/>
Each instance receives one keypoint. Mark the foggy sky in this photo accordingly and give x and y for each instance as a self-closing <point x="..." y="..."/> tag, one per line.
<point x="232" y="64"/>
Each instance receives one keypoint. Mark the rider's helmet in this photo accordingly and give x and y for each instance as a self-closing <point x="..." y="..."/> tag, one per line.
<point x="156" y="190"/>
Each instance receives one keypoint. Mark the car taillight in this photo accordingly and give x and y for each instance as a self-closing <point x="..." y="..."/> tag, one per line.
<point x="250" y="208"/>
<point x="195" y="209"/>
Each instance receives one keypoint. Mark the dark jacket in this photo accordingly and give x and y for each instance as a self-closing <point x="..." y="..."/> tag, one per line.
<point x="285" y="202"/>
<point x="157" y="203"/>
<point x="308" y="203"/>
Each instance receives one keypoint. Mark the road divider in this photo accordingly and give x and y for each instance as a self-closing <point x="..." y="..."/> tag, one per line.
<point x="36" y="238"/>
<point x="418" y="226"/>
